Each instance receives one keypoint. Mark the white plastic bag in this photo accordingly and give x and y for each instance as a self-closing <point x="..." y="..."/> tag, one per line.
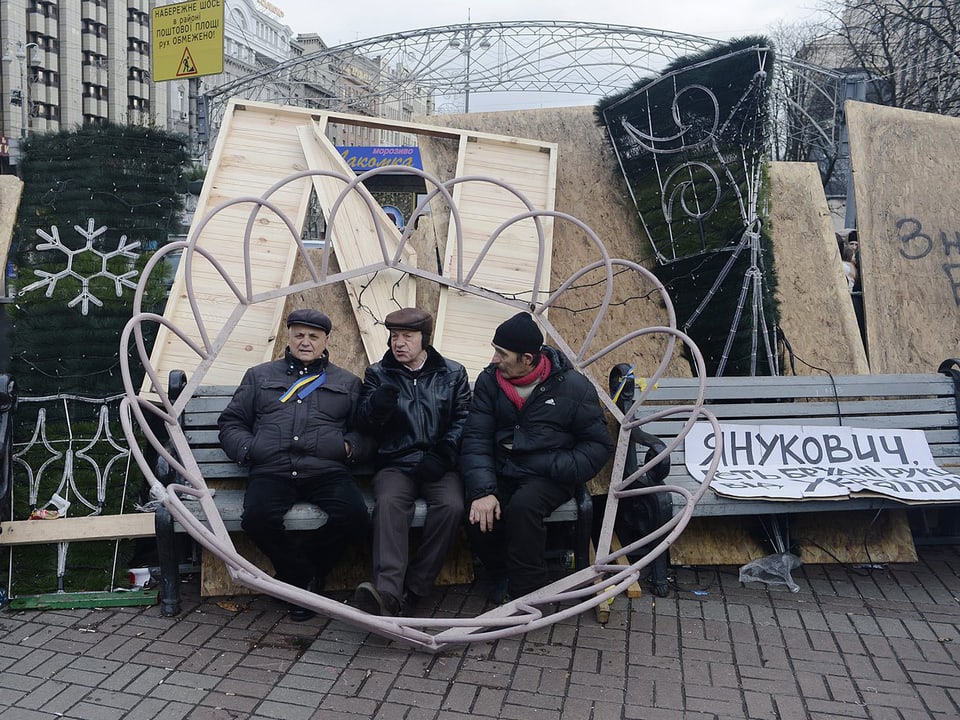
<point x="772" y="570"/>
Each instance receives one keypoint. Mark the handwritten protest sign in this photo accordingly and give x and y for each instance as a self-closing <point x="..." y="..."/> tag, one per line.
<point x="793" y="462"/>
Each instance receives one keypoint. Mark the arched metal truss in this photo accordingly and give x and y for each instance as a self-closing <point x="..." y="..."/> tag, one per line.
<point x="453" y="62"/>
<point x="443" y="66"/>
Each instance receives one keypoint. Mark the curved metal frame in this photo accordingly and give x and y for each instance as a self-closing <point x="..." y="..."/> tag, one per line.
<point x="451" y="62"/>
<point x="573" y="594"/>
<point x="550" y="56"/>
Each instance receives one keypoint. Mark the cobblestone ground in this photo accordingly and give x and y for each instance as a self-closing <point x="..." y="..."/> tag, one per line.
<point x="853" y="643"/>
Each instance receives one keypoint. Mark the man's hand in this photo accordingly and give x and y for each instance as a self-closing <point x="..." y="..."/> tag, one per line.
<point x="384" y="399"/>
<point x="484" y="511"/>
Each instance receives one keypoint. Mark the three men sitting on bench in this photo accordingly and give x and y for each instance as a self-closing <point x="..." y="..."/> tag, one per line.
<point x="534" y="429"/>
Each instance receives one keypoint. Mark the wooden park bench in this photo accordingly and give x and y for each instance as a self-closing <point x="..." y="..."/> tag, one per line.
<point x="927" y="402"/>
<point x="199" y="421"/>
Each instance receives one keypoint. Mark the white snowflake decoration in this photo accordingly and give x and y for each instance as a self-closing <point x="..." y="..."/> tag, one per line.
<point x="124" y="249"/>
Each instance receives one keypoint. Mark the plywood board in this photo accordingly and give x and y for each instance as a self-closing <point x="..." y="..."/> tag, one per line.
<point x="903" y="168"/>
<point x="256" y="147"/>
<point x="76" y="529"/>
<point x="11" y="188"/>
<point x="816" y="312"/>
<point x="846" y="537"/>
<point x="587" y="187"/>
<point x="353" y="232"/>
<point x="354" y="569"/>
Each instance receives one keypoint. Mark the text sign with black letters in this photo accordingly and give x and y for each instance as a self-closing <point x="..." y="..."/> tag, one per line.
<point x="188" y="39"/>
<point x="793" y="462"/>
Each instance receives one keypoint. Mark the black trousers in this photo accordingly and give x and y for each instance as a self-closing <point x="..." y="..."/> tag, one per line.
<point x="516" y="547"/>
<point x="395" y="492"/>
<point x="316" y="552"/>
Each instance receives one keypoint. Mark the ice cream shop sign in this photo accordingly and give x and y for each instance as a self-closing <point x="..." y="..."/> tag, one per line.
<point x="361" y="158"/>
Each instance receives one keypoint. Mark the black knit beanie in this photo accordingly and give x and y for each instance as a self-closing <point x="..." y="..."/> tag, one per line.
<point x="519" y="334"/>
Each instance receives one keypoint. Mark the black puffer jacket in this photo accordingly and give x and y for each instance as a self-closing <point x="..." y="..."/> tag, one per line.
<point x="432" y="407"/>
<point x="559" y="433"/>
<point x="298" y="438"/>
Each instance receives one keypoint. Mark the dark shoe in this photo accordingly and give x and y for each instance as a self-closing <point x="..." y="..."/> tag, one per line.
<point x="409" y="601"/>
<point x="300" y="614"/>
<point x="498" y="592"/>
<point x="367" y="598"/>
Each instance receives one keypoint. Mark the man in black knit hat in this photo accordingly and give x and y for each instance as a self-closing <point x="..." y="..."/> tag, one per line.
<point x="292" y="420"/>
<point x="536" y="430"/>
<point x="415" y="403"/>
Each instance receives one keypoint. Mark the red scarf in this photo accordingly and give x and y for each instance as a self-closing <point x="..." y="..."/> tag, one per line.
<point x="537" y="375"/>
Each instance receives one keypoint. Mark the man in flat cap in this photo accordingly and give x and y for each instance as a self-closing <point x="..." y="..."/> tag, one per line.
<point x="415" y="403"/>
<point x="535" y="431"/>
<point x="292" y="421"/>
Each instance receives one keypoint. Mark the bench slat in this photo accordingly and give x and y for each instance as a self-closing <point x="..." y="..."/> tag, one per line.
<point x="304" y="516"/>
<point x="800" y="386"/>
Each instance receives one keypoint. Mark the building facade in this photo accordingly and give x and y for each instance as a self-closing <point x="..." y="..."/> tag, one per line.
<point x="69" y="63"/>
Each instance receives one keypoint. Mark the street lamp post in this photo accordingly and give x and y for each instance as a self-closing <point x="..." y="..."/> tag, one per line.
<point x="467" y="52"/>
<point x="21" y="55"/>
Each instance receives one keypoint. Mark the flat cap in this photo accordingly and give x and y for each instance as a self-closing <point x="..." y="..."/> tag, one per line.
<point x="310" y="318"/>
<point x="410" y="319"/>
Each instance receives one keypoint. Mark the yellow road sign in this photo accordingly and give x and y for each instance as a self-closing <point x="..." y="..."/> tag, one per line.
<point x="187" y="39"/>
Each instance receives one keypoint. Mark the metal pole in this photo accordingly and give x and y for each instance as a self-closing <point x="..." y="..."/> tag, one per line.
<point x="193" y="92"/>
<point x="466" y="100"/>
<point x="855" y="88"/>
<point x="22" y="53"/>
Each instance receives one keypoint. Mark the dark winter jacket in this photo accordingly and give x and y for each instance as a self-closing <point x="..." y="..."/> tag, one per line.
<point x="432" y="407"/>
<point x="298" y="438"/>
<point x="559" y="433"/>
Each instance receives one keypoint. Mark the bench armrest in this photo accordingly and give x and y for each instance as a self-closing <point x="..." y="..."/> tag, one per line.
<point x="951" y="367"/>
<point x="639" y="439"/>
<point x="176" y="382"/>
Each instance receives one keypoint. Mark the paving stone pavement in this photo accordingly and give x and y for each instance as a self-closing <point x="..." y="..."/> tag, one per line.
<point x="879" y="643"/>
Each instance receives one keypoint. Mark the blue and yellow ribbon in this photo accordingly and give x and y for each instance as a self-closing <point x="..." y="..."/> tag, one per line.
<point x="304" y="386"/>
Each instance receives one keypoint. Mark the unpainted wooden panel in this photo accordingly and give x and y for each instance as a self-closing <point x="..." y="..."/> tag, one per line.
<point x="252" y="135"/>
<point x="353" y="231"/>
<point x="11" y="187"/>
<point x="76" y="529"/>
<point x="465" y="322"/>
<point x="258" y="146"/>
<point x="588" y="187"/>
<point x="842" y="536"/>
<point x="816" y="311"/>
<point x="353" y="569"/>
<point x="904" y="163"/>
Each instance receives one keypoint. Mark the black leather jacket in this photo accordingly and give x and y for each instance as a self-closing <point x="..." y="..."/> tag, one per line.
<point x="560" y="432"/>
<point x="299" y="438"/>
<point x="432" y="406"/>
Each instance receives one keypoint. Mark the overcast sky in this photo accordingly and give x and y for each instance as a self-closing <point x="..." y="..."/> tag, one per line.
<point x="349" y="20"/>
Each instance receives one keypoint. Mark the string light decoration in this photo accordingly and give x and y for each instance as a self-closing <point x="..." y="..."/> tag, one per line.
<point x="49" y="280"/>
<point x="692" y="146"/>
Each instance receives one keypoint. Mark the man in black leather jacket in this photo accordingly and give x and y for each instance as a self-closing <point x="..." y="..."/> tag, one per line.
<point x="415" y="403"/>
<point x="292" y="421"/>
<point x="536" y="429"/>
